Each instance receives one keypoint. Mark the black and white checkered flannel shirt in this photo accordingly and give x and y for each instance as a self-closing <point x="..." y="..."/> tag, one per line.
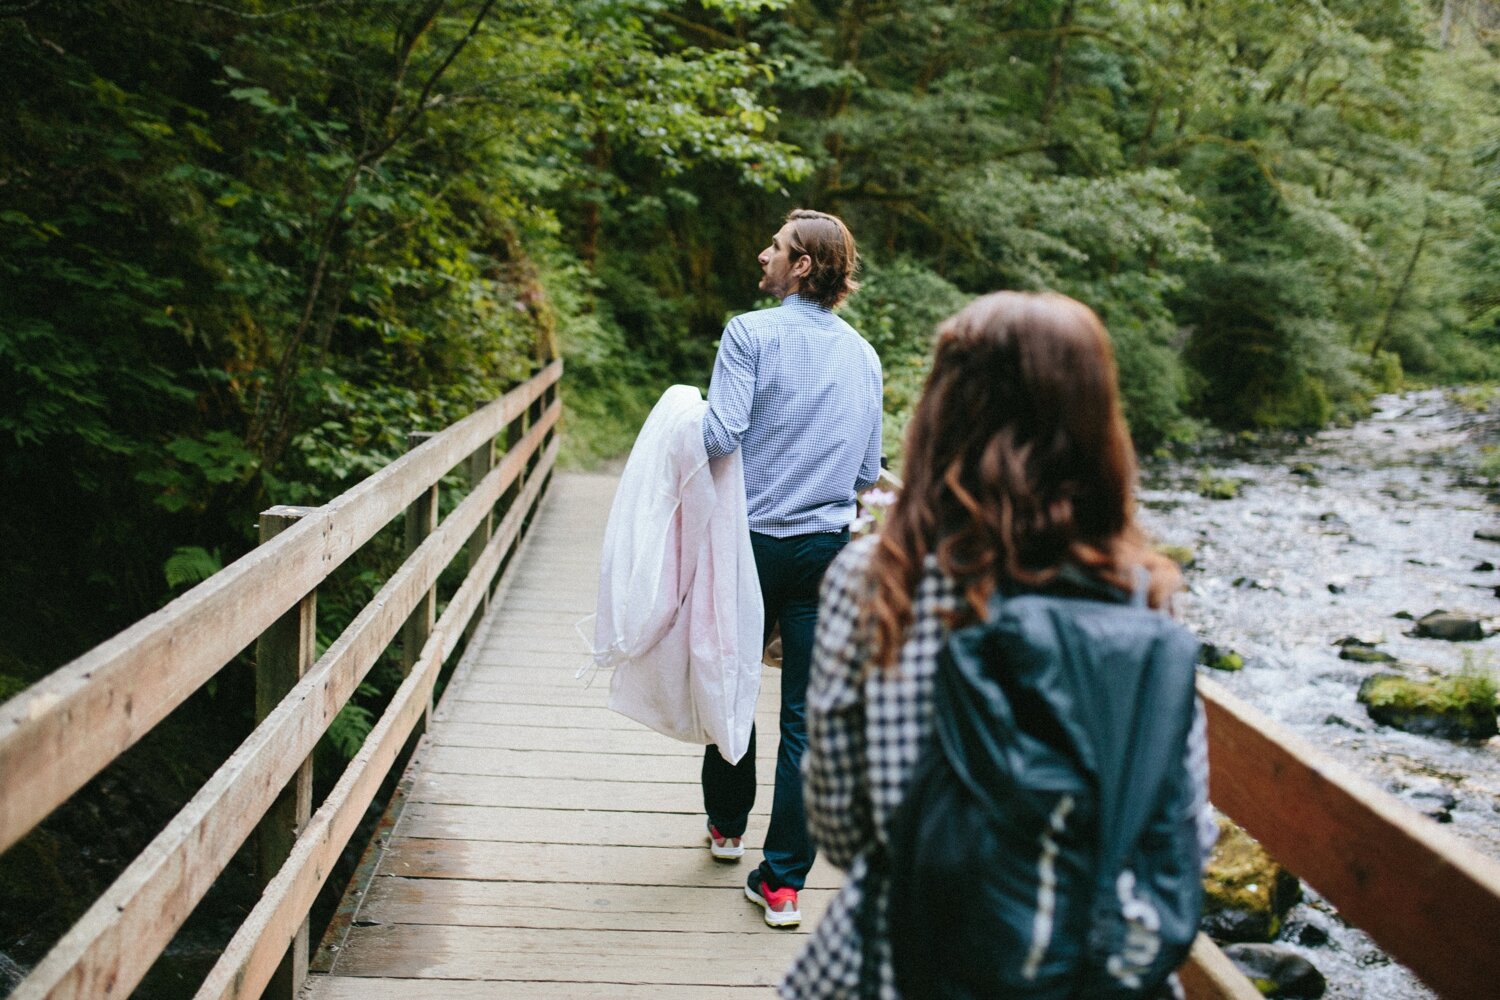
<point x="865" y="732"/>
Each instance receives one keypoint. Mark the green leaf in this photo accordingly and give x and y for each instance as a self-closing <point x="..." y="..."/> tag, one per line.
<point x="191" y="564"/>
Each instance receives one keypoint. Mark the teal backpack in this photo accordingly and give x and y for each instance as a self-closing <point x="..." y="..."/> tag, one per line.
<point x="1046" y="847"/>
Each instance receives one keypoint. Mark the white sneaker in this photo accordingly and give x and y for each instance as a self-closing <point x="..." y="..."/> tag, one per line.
<point x="780" y="904"/>
<point x="725" y="848"/>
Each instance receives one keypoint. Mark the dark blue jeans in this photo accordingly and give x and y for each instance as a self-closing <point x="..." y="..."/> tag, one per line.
<point x="790" y="571"/>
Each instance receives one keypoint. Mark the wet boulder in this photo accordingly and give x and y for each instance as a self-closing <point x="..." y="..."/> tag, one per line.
<point x="1360" y="651"/>
<point x="1215" y="487"/>
<point x="1182" y="555"/>
<point x="1428" y="796"/>
<point x="1308" y="935"/>
<point x="1277" y="971"/>
<point x="1220" y="658"/>
<point x="1246" y="893"/>
<point x="1449" y="626"/>
<point x="1458" y="707"/>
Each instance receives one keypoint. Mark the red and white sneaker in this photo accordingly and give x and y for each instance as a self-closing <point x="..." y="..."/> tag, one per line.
<point x="780" y="904"/>
<point x="724" y="848"/>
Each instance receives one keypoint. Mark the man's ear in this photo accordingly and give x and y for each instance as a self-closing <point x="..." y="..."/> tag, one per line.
<point x="802" y="266"/>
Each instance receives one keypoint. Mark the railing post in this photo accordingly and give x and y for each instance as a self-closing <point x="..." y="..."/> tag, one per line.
<point x="512" y="435"/>
<point x="533" y="417"/>
<point x="283" y="653"/>
<point x="421" y="521"/>
<point x="480" y="463"/>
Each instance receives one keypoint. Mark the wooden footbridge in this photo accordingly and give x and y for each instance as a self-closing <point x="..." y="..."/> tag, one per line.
<point x="538" y="845"/>
<point x="548" y="847"/>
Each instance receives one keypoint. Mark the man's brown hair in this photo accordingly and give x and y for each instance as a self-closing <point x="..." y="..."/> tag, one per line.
<point x="827" y="242"/>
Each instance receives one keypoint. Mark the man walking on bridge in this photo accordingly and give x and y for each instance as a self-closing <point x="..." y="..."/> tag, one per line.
<point x="798" y="391"/>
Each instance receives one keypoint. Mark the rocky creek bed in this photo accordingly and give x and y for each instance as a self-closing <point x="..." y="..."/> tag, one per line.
<point x="1293" y="548"/>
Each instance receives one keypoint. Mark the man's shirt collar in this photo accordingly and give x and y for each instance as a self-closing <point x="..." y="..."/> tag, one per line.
<point x="796" y="301"/>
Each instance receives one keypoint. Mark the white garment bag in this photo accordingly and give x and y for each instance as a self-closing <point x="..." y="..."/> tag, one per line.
<point x="679" y="617"/>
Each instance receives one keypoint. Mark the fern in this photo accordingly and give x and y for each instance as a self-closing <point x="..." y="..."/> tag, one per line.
<point x="349" y="728"/>
<point x="191" y="564"/>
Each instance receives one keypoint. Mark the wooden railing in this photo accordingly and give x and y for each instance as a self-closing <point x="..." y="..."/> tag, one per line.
<point x="61" y="732"/>
<point x="1420" y="893"/>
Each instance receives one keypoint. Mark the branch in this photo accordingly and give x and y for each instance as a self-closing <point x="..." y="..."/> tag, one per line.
<point x="712" y="34"/>
<point x="865" y="191"/>
<point x="1075" y="29"/>
<point x="420" y="104"/>
<point x="272" y="433"/>
<point x="1253" y="149"/>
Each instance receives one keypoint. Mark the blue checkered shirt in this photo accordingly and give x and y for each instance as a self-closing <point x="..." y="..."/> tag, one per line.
<point x="798" y="391"/>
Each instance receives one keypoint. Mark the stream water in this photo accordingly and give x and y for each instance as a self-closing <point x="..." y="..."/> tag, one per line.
<point x="1335" y="537"/>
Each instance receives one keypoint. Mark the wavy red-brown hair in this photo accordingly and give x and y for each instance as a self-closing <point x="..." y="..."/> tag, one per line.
<point x="1018" y="462"/>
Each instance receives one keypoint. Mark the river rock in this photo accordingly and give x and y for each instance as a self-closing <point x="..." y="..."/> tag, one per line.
<point x="1182" y="555"/>
<point x="1219" y="658"/>
<point x="1218" y="487"/>
<point x="1277" y="971"/>
<point x="1488" y="534"/>
<point x="1351" y="648"/>
<point x="1457" y="707"/>
<point x="1430" y="797"/>
<point x="1449" y="626"/>
<point x="1246" y="893"/>
<point x="1308" y="935"/>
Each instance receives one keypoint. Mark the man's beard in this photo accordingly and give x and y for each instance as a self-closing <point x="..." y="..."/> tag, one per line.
<point x="771" y="286"/>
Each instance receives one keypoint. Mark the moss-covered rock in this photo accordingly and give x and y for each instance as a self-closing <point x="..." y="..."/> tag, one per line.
<point x="1360" y="651"/>
<point x="1182" y="555"/>
<point x="1217" y="487"/>
<point x="1306" y="471"/>
<point x="1219" y="658"/>
<point x="1246" y="893"/>
<point x="1458" y="707"/>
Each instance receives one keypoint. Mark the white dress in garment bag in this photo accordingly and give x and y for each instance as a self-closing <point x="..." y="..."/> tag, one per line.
<point x="679" y="617"/>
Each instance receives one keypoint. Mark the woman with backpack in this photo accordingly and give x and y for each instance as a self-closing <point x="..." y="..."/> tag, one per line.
<point x="1016" y="516"/>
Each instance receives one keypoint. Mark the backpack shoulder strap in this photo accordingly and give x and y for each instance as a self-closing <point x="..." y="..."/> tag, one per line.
<point x="1160" y="713"/>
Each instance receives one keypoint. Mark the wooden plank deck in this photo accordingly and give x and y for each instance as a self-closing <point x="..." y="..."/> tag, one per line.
<point x="548" y="846"/>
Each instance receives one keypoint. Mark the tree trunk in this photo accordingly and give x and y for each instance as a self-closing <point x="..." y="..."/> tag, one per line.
<point x="1054" y="72"/>
<point x="1445" y="26"/>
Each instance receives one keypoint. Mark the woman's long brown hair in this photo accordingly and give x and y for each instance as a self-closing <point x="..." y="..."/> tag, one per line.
<point x="1018" y="461"/>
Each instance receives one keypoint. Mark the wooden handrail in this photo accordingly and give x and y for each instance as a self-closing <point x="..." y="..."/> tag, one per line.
<point x="1423" y="895"/>
<point x="63" y="730"/>
<point x="113" y="945"/>
<point x="251" y="956"/>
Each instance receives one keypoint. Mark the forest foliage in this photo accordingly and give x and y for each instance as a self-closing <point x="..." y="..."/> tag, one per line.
<point x="246" y="246"/>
